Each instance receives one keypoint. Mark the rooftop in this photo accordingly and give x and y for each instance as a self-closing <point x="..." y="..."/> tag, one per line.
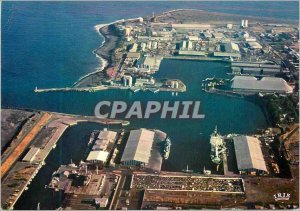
<point x="139" y="146"/>
<point x="231" y="47"/>
<point x="107" y="134"/>
<point x="248" y="153"/>
<point x="270" y="84"/>
<point x="98" y="155"/>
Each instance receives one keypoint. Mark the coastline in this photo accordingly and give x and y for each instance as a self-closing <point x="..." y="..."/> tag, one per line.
<point x="104" y="62"/>
<point x="111" y="39"/>
<point x="104" y="52"/>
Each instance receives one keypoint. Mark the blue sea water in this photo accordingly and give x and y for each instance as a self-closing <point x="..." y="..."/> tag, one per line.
<point x="49" y="44"/>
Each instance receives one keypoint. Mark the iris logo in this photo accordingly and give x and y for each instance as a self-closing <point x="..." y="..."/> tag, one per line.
<point x="282" y="196"/>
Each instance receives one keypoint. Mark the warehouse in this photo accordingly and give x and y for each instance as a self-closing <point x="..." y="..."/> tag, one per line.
<point x="254" y="85"/>
<point x="105" y="139"/>
<point x="249" y="156"/>
<point x="190" y="26"/>
<point x="227" y="55"/>
<point x="191" y="53"/>
<point x="29" y="157"/>
<point x="218" y="36"/>
<point x="254" y="45"/>
<point x="138" y="147"/>
<point x="107" y="135"/>
<point x="149" y="62"/>
<point x="231" y="47"/>
<point x="98" y="156"/>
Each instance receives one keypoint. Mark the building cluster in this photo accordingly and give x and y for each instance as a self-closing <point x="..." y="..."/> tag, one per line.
<point x="84" y="189"/>
<point x="102" y="148"/>
<point x="255" y="68"/>
<point x="249" y="156"/>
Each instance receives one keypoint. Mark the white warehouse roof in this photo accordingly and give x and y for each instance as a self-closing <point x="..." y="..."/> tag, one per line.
<point x="29" y="157"/>
<point x="255" y="45"/>
<point x="231" y="47"/>
<point x="98" y="155"/>
<point x="107" y="134"/>
<point x="138" y="146"/>
<point x="266" y="84"/>
<point x="248" y="153"/>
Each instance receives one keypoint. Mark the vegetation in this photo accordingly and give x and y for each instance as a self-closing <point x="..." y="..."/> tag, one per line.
<point x="281" y="109"/>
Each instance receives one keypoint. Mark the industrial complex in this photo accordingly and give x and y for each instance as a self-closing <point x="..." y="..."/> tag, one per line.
<point x="122" y="167"/>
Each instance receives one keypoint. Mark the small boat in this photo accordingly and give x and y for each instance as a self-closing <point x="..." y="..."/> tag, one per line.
<point x="135" y="90"/>
<point x="125" y="123"/>
<point x="206" y="172"/>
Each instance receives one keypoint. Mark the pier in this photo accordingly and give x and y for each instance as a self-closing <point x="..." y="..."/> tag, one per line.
<point x="197" y="58"/>
<point x="17" y="175"/>
<point x="72" y="89"/>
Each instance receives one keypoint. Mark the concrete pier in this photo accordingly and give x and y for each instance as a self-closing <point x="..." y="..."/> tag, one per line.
<point x="72" y="89"/>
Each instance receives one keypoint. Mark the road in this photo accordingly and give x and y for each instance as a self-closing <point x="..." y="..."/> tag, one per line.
<point x="13" y="157"/>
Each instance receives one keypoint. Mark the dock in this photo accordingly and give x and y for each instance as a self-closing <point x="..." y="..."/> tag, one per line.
<point x="72" y="89"/>
<point x="17" y="175"/>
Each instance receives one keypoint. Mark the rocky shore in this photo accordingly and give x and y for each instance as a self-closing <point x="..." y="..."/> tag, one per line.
<point x="106" y="53"/>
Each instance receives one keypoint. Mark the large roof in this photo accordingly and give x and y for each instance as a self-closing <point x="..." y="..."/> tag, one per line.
<point x="254" y="45"/>
<point x="107" y="134"/>
<point x="248" y="153"/>
<point x="138" y="146"/>
<point x="31" y="154"/>
<point x="271" y="84"/>
<point x="231" y="47"/>
<point x="98" y="155"/>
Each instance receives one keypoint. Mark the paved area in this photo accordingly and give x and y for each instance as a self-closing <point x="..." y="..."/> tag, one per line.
<point x="7" y="164"/>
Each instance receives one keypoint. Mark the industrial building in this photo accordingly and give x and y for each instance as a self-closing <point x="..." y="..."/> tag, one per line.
<point x="254" y="45"/>
<point x="133" y="48"/>
<point x="104" y="138"/>
<point x="227" y="55"/>
<point x="149" y="62"/>
<point x="255" y="68"/>
<point x="217" y="35"/>
<point x="139" y="82"/>
<point x="133" y="55"/>
<point x="107" y="135"/>
<point x="207" y="35"/>
<point x="244" y="23"/>
<point x="190" y="26"/>
<point x="138" y="147"/>
<point x="127" y="80"/>
<point x="98" y="156"/>
<point x="191" y="53"/>
<point x="231" y="47"/>
<point x="249" y="155"/>
<point x="254" y="85"/>
<point x="29" y="157"/>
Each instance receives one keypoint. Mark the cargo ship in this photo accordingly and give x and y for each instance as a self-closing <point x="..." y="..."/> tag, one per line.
<point x="217" y="147"/>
